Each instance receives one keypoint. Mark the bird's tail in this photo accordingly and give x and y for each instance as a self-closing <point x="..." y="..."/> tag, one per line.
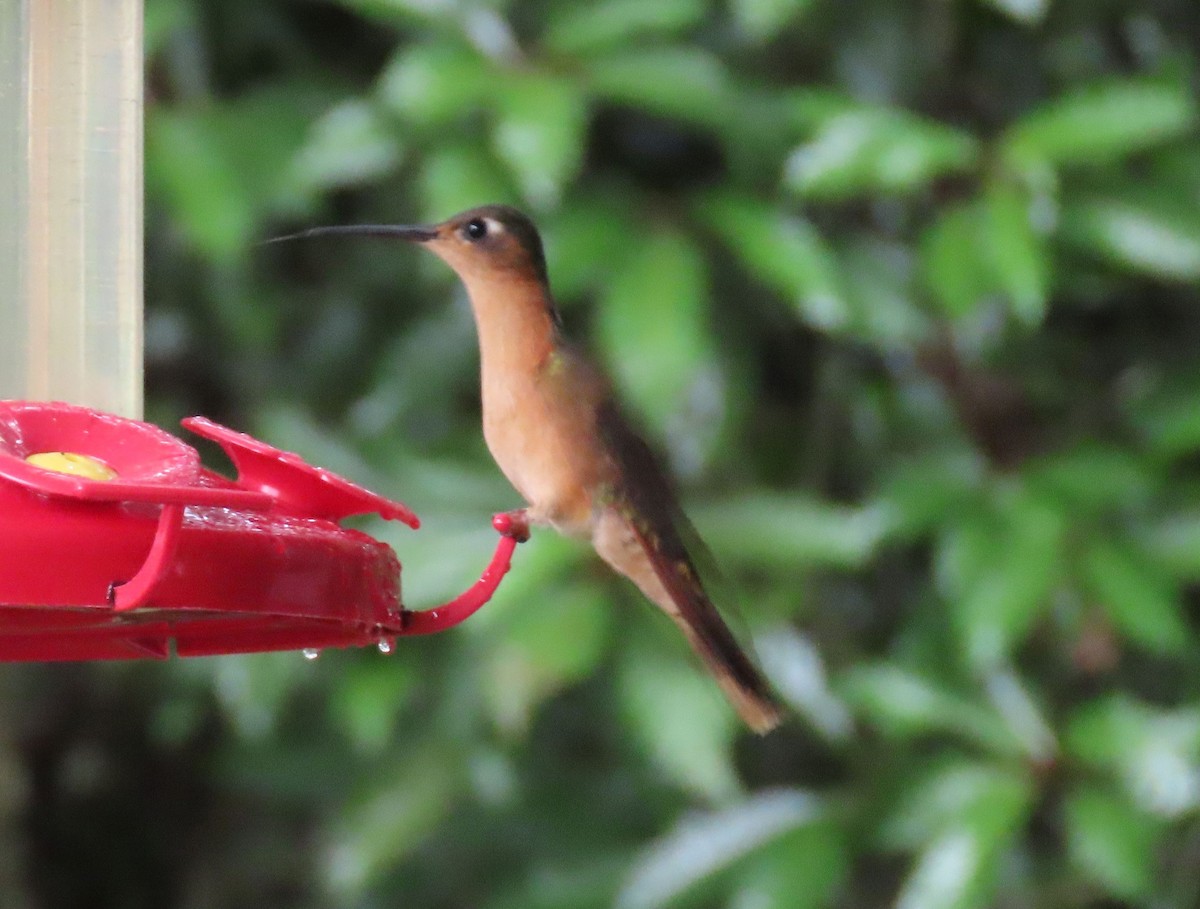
<point x="660" y="565"/>
<point x="741" y="681"/>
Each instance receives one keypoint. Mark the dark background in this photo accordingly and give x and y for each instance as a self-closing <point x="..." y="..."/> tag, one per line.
<point x="905" y="292"/>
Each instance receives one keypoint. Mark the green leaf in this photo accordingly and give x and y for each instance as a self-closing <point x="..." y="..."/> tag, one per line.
<point x="538" y="133"/>
<point x="456" y="177"/>
<point x="802" y="869"/>
<point x="955" y="262"/>
<point x="581" y="28"/>
<point x="964" y="817"/>
<point x="546" y="642"/>
<point x="907" y="705"/>
<point x="369" y="694"/>
<point x="1108" y="731"/>
<point x="1021" y="711"/>
<point x="1153" y="233"/>
<point x="393" y="816"/>
<point x="681" y="720"/>
<point x="1138" y="596"/>
<point x="223" y="168"/>
<point x="393" y="12"/>
<point x="566" y="638"/>
<point x="261" y="132"/>
<point x="436" y="83"/>
<point x="786" y="531"/>
<point x="1178" y="167"/>
<point x="795" y="666"/>
<point x="999" y="578"/>
<point x="350" y="144"/>
<point x="682" y="81"/>
<point x="252" y="689"/>
<point x="588" y="879"/>
<point x="984" y="797"/>
<point x="1154" y="752"/>
<point x="1112" y="843"/>
<point x="1092" y="479"/>
<point x="1028" y="12"/>
<point x="1018" y="253"/>
<point x="1169" y="418"/>
<point x="876" y="150"/>
<point x="764" y="19"/>
<point x="953" y="872"/>
<point x="968" y="816"/>
<point x="1103" y="122"/>
<point x="929" y="491"/>
<point x="587" y="242"/>
<point x="783" y="250"/>
<point x="701" y="846"/>
<point x="805" y="110"/>
<point x="162" y="21"/>
<point x="188" y="165"/>
<point x="1173" y="541"/>
<point x="878" y="276"/>
<point x="653" y="325"/>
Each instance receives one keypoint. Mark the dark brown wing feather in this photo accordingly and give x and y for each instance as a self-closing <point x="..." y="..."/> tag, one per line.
<point x="647" y="498"/>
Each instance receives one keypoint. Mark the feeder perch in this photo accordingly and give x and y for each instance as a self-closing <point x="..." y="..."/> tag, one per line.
<point x="115" y="543"/>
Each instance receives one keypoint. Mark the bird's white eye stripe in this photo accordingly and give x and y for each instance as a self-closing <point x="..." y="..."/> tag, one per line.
<point x="478" y="228"/>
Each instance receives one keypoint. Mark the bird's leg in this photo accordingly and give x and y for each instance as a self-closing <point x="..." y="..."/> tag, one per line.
<point x="513" y="524"/>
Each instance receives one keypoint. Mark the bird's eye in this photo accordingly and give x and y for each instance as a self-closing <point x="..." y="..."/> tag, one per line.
<point x="476" y="229"/>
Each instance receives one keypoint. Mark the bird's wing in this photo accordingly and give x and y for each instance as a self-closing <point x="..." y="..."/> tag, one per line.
<point x="646" y="499"/>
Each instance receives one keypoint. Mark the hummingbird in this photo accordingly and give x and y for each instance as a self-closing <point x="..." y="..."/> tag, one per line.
<point x="554" y="427"/>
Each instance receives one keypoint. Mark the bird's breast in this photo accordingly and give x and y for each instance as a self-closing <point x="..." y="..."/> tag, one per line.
<point x="541" y="429"/>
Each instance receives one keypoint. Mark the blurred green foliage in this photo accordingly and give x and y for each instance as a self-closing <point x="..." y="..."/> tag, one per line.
<point x="908" y="295"/>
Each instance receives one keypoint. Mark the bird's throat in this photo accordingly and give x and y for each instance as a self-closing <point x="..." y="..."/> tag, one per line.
<point x="516" y="327"/>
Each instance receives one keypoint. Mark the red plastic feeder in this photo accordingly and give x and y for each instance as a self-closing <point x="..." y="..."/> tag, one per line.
<point x="147" y="546"/>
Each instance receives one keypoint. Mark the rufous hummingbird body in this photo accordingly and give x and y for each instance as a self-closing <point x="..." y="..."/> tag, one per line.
<point x="552" y="424"/>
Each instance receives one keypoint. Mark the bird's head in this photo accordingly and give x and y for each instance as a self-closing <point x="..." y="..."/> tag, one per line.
<point x="488" y="243"/>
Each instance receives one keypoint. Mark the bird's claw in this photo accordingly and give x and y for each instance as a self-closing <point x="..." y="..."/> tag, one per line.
<point x="514" y="524"/>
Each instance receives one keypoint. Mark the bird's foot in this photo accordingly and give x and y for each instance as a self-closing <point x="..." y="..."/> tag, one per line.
<point x="514" y="524"/>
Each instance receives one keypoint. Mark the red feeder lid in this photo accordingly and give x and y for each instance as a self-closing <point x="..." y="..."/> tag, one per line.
<point x="144" y="546"/>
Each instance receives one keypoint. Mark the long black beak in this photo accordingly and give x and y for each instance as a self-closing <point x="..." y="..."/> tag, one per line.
<point x="397" y="231"/>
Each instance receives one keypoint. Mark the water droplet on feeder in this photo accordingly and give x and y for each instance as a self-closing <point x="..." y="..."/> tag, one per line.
<point x="386" y="647"/>
<point x="311" y="653"/>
